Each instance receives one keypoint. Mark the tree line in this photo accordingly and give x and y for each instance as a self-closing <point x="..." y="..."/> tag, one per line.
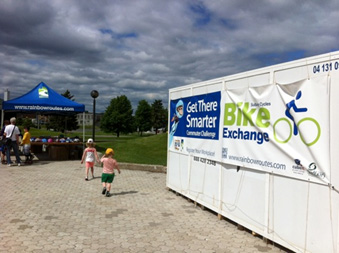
<point x="118" y="117"/>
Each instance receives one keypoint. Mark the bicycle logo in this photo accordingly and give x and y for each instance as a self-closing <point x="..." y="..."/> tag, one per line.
<point x="296" y="126"/>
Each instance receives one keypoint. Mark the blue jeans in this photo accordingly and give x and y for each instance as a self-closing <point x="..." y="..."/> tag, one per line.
<point x="15" y="147"/>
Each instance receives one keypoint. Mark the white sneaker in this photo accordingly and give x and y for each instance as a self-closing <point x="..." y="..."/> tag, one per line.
<point x="19" y="164"/>
<point x="9" y="165"/>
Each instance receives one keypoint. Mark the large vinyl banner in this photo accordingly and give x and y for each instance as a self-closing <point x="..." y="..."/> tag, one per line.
<point x="195" y="124"/>
<point x="279" y="128"/>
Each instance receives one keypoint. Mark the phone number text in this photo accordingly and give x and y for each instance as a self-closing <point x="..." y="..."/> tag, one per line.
<point x="204" y="160"/>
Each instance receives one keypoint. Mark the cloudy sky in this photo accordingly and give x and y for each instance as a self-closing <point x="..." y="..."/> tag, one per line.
<point x="142" y="48"/>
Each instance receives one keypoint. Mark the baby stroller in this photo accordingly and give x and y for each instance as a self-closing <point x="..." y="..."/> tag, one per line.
<point x="27" y="153"/>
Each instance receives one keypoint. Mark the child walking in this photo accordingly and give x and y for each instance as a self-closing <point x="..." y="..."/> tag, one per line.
<point x="90" y="153"/>
<point x="109" y="164"/>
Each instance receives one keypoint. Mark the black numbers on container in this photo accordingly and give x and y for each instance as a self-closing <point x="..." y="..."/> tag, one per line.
<point x="325" y="67"/>
<point x="316" y="69"/>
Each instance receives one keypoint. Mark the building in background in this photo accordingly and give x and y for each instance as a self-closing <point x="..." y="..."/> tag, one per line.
<point x="88" y="121"/>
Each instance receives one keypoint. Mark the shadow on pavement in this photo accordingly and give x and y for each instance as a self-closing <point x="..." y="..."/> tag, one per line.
<point x="124" y="193"/>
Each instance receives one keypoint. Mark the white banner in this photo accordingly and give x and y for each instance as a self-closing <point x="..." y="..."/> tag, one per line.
<point x="281" y="129"/>
<point x="278" y="128"/>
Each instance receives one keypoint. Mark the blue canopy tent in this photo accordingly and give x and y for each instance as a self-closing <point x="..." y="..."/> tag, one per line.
<point x="44" y="100"/>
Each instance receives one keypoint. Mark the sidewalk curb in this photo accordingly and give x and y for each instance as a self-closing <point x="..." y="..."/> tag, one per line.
<point x="143" y="167"/>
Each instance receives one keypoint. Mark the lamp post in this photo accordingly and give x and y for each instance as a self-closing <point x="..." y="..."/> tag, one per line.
<point x="94" y="95"/>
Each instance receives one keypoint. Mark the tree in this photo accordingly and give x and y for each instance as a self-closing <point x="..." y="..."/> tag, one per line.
<point x="143" y="116"/>
<point x="166" y="118"/>
<point x="27" y="122"/>
<point x="20" y="121"/>
<point x="63" y="122"/>
<point x="159" y="115"/>
<point x="118" y="116"/>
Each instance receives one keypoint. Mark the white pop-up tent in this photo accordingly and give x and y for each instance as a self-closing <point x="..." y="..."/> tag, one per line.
<point x="261" y="148"/>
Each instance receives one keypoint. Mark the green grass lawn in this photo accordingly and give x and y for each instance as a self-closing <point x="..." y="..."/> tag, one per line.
<point x="136" y="149"/>
<point x="132" y="148"/>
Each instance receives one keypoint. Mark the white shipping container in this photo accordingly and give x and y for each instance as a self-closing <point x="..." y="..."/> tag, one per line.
<point x="261" y="148"/>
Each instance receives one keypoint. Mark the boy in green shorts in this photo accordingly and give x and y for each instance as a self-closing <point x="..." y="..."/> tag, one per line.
<point x="109" y="164"/>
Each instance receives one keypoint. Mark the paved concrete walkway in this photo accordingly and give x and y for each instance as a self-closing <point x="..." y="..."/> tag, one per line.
<point x="49" y="207"/>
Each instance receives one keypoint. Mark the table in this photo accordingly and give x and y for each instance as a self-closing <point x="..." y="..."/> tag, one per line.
<point x="59" y="150"/>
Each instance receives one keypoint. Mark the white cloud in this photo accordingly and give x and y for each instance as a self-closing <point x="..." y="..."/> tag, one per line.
<point x="141" y="48"/>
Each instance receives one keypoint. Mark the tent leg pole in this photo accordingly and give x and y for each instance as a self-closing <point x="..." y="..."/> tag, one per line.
<point x="2" y="118"/>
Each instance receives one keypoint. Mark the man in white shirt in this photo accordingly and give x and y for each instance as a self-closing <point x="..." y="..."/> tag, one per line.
<point x="12" y="132"/>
